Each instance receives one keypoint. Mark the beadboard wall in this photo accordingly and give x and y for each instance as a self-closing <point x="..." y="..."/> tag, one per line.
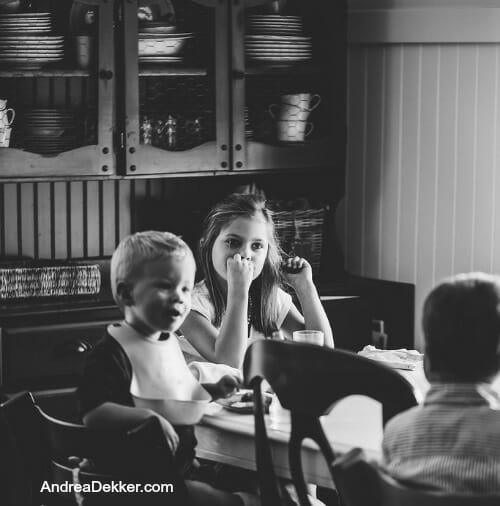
<point x="70" y="219"/>
<point x="423" y="151"/>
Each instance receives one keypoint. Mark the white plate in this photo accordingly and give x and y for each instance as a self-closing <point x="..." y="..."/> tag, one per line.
<point x="282" y="58"/>
<point x="34" y="38"/>
<point x="31" y="60"/>
<point x="278" y="55"/>
<point x="31" y="53"/>
<point x="161" y="59"/>
<point x="271" y="16"/>
<point x="267" y="38"/>
<point x="28" y="30"/>
<point x="266" y="45"/>
<point x="274" y="23"/>
<point x="185" y="35"/>
<point x="275" y="32"/>
<point x="277" y="51"/>
<point x="24" y="23"/>
<point x="10" y="47"/>
<point x="34" y="15"/>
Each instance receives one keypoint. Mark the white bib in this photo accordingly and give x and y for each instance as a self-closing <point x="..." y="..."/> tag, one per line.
<point x="159" y="370"/>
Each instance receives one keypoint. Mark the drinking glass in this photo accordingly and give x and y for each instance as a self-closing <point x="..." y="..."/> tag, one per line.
<point x="309" y="336"/>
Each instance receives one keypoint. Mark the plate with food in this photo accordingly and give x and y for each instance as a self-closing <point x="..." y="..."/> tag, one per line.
<point x="242" y="401"/>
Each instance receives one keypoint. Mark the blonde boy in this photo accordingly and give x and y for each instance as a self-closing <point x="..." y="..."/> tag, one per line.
<point x="152" y="276"/>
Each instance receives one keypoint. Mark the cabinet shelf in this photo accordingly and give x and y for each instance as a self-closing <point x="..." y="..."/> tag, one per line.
<point x="299" y="69"/>
<point x="17" y="163"/>
<point x="264" y="156"/>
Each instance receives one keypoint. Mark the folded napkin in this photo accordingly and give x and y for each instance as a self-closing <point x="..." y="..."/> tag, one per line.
<point x="397" y="359"/>
<point x="206" y="372"/>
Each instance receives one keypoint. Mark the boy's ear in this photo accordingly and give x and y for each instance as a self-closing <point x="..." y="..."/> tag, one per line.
<point x="124" y="293"/>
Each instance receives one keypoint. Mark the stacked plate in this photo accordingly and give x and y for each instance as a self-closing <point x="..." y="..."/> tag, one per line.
<point x="249" y="134"/>
<point x="274" y="24"/>
<point x="277" y="39"/>
<point x="50" y="131"/>
<point x="25" y="41"/>
<point x="162" y="47"/>
<point x="25" y="22"/>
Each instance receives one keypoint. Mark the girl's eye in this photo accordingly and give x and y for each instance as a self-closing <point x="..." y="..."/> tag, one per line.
<point x="186" y="289"/>
<point x="233" y="243"/>
<point x="257" y="245"/>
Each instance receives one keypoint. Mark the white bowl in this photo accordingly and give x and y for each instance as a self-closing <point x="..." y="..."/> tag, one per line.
<point x="178" y="411"/>
<point x="161" y="46"/>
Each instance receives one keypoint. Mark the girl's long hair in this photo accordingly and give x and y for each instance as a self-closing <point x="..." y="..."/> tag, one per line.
<point x="264" y="289"/>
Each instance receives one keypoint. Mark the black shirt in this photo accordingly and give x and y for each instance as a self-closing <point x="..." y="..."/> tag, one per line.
<point x="107" y="377"/>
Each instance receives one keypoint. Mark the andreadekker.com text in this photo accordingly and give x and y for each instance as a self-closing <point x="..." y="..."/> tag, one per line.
<point x="112" y="487"/>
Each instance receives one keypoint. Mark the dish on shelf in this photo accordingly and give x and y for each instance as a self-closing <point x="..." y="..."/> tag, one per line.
<point x="161" y="59"/>
<point x="35" y="39"/>
<point x="162" y="44"/>
<point x="83" y="17"/>
<point x="269" y="37"/>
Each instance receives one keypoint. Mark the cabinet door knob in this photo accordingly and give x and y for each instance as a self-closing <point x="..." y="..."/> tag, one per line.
<point x="238" y="74"/>
<point x="106" y="74"/>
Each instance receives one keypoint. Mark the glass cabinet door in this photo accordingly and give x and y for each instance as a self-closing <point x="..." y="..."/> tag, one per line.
<point x="175" y="83"/>
<point x="288" y="78"/>
<point x="57" y="97"/>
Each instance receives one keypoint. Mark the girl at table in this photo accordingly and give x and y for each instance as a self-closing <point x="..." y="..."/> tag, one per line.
<point x="241" y="298"/>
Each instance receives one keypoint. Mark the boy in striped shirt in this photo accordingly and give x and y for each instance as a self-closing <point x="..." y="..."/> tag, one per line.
<point x="452" y="441"/>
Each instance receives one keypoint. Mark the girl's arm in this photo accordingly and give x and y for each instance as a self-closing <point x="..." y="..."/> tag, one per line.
<point x="298" y="273"/>
<point x="228" y="344"/>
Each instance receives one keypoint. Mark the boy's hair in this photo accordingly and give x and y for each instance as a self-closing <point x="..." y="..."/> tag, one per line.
<point x="264" y="289"/>
<point x="137" y="249"/>
<point x="461" y="324"/>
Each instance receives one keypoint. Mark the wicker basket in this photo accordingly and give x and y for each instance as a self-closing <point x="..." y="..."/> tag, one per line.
<point x="22" y="282"/>
<point x="301" y="233"/>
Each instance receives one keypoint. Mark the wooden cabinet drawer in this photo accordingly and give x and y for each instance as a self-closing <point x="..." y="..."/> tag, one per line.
<point x="49" y="356"/>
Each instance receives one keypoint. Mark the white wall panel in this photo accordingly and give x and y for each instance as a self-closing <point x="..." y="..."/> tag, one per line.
<point x="423" y="161"/>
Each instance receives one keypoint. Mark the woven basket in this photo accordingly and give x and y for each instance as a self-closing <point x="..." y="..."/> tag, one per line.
<point x="301" y="233"/>
<point x="49" y="281"/>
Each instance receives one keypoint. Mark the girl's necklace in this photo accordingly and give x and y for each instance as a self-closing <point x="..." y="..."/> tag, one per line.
<point x="249" y="313"/>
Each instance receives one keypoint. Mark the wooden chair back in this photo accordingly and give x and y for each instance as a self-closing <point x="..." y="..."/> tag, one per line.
<point x="379" y="489"/>
<point x="79" y="454"/>
<point x="308" y="381"/>
<point x="23" y="454"/>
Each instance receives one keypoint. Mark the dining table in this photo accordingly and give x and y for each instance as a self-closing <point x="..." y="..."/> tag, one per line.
<point x="356" y="421"/>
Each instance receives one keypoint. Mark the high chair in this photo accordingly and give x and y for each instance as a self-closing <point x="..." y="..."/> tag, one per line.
<point x="362" y="483"/>
<point x="79" y="454"/>
<point x="309" y="380"/>
<point x="23" y="454"/>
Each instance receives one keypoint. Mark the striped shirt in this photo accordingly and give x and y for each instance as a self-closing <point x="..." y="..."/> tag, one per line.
<point x="451" y="442"/>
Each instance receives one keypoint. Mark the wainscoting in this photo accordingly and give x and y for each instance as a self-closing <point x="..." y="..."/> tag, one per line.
<point x="423" y="153"/>
<point x="70" y="219"/>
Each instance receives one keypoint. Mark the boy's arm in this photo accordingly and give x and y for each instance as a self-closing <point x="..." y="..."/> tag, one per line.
<point x="110" y="415"/>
